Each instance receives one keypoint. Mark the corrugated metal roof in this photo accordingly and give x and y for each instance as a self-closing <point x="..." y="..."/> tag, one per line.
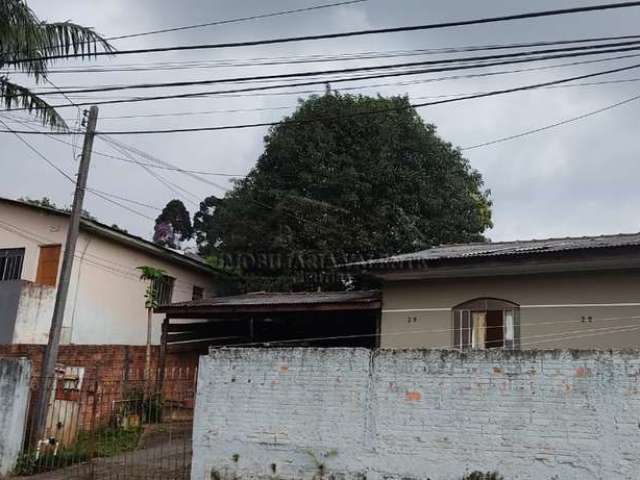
<point x="283" y="298"/>
<point x="517" y="247"/>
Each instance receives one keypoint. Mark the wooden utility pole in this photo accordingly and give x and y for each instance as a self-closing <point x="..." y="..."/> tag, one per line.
<point x="50" y="358"/>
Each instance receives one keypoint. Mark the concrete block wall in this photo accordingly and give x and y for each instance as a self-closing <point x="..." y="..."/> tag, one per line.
<point x="15" y="375"/>
<point x="356" y="413"/>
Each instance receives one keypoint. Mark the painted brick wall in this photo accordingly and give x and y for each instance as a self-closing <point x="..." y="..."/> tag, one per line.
<point x="15" y="374"/>
<point x="356" y="413"/>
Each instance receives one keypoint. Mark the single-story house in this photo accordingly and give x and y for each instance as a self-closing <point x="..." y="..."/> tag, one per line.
<point x="106" y="304"/>
<point x="577" y="293"/>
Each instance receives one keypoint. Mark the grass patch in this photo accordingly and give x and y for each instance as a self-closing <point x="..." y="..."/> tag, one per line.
<point x="105" y="442"/>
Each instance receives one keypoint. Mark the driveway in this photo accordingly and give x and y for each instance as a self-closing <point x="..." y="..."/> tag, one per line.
<point x="164" y="453"/>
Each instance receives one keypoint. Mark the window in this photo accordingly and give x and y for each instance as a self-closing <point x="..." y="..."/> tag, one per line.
<point x="163" y="289"/>
<point x="48" y="261"/>
<point x="486" y="323"/>
<point x="72" y="378"/>
<point x="198" y="293"/>
<point x="11" y="260"/>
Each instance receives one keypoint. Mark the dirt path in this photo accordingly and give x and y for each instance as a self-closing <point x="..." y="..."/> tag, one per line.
<point x="164" y="453"/>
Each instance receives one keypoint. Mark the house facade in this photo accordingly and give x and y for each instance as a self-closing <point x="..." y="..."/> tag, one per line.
<point x="106" y="303"/>
<point x="578" y="293"/>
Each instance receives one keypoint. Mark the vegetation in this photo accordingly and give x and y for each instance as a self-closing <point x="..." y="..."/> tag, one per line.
<point x="483" y="476"/>
<point x="25" y="45"/>
<point x="173" y="225"/>
<point x="46" y="202"/>
<point x="105" y="442"/>
<point x="337" y="183"/>
<point x="150" y="275"/>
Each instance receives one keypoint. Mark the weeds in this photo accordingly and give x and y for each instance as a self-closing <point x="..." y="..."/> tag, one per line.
<point x="102" y="443"/>
<point x="483" y="476"/>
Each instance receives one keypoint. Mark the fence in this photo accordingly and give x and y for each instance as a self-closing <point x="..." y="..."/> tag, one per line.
<point x="111" y="428"/>
<point x="417" y="414"/>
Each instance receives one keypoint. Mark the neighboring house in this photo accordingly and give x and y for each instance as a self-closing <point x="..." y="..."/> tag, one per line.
<point x="106" y="304"/>
<point x="556" y="293"/>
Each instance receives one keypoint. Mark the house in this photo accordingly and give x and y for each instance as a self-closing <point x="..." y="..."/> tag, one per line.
<point x="106" y="304"/>
<point x="576" y="293"/>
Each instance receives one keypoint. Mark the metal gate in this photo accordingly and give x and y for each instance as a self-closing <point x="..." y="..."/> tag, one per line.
<point x="114" y="428"/>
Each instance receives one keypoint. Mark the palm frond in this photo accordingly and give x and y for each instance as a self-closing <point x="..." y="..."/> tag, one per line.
<point x="12" y="94"/>
<point x="26" y="42"/>
<point x="21" y="38"/>
<point x="64" y="38"/>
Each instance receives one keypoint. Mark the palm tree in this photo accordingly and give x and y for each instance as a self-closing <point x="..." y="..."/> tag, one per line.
<point x="25" y="45"/>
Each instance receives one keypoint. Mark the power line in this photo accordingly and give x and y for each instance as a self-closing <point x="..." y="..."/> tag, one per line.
<point x="174" y="188"/>
<point x="415" y="105"/>
<point x="413" y="28"/>
<point x="98" y="193"/>
<point x="236" y="20"/>
<point x="129" y="160"/>
<point x="321" y="58"/>
<point x="553" y="125"/>
<point x="243" y="92"/>
<point x="386" y="110"/>
<point x="123" y="147"/>
<point x="545" y="55"/>
<point x="324" y="81"/>
<point x="362" y="87"/>
<point x="368" y="112"/>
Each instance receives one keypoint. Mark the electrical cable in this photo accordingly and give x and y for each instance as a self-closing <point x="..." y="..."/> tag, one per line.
<point x="386" y="110"/>
<point x="320" y="119"/>
<point x="552" y="125"/>
<point x="544" y="55"/>
<point x="97" y="193"/>
<point x="235" y="20"/>
<point x="325" y="81"/>
<point x="317" y="58"/>
<point x="355" y="33"/>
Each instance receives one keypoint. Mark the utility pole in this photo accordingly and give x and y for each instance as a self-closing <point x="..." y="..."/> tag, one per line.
<point x="51" y="352"/>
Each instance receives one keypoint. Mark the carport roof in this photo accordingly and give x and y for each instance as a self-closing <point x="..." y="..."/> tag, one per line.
<point x="278" y="302"/>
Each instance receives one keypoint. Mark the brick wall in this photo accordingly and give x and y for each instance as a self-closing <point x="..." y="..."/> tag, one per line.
<point x="112" y="374"/>
<point x="417" y="414"/>
<point x="105" y="362"/>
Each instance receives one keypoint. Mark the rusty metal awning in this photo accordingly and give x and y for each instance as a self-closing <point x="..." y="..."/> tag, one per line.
<point x="267" y="302"/>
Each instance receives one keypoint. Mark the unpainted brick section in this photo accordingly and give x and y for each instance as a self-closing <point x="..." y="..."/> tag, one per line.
<point x="356" y="413"/>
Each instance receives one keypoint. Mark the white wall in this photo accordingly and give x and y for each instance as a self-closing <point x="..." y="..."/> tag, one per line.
<point x="106" y="297"/>
<point x="417" y="414"/>
<point x="15" y="375"/>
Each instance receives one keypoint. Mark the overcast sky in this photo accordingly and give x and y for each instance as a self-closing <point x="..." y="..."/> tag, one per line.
<point x="578" y="179"/>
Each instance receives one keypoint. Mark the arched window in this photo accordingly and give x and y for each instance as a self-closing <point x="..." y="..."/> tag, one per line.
<point x="486" y="323"/>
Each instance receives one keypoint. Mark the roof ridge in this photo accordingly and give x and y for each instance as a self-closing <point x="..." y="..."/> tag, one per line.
<point x="529" y="240"/>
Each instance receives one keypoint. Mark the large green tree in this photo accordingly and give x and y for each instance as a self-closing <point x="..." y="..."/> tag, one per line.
<point x="25" y="45"/>
<point x="337" y="181"/>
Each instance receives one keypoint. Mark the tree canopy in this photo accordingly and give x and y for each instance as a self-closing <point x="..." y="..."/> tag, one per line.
<point x="338" y="182"/>
<point x="173" y="225"/>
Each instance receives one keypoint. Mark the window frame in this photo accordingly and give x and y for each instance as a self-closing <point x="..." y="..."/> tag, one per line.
<point x="9" y="254"/>
<point x="462" y="321"/>
<point x="163" y="287"/>
<point x="197" y="293"/>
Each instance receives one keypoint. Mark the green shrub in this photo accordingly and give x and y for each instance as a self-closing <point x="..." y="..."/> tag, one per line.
<point x="483" y="476"/>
